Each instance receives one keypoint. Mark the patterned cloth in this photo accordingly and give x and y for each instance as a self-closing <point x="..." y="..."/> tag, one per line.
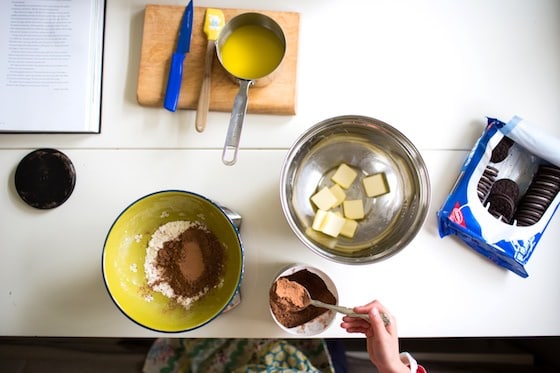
<point x="169" y="355"/>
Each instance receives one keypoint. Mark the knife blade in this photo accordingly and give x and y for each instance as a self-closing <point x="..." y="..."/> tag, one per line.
<point x="176" y="67"/>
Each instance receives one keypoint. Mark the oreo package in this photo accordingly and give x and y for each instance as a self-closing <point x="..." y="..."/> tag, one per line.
<point x="503" y="199"/>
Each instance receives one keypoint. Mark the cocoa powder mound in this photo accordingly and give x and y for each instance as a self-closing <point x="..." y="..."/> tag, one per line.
<point x="192" y="263"/>
<point x="317" y="289"/>
<point x="291" y="294"/>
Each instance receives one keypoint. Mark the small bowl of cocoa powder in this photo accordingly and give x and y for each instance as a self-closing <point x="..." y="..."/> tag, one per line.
<point x="310" y="320"/>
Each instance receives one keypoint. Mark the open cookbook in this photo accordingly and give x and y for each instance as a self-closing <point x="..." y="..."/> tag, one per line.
<point x="50" y="75"/>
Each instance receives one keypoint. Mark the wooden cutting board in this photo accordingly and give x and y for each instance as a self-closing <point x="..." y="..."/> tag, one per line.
<point x="161" y="26"/>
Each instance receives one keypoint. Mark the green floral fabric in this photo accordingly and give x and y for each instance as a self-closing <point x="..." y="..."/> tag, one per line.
<point x="169" y="355"/>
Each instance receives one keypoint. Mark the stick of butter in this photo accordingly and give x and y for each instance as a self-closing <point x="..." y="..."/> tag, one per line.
<point x="353" y="209"/>
<point x="339" y="193"/>
<point x="332" y="224"/>
<point x="318" y="219"/>
<point x="344" y="176"/>
<point x="324" y="199"/>
<point x="349" y="228"/>
<point x="376" y="185"/>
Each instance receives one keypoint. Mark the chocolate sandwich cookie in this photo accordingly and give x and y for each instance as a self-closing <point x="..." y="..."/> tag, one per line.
<point x="544" y="187"/>
<point x="485" y="182"/>
<point x="544" y="190"/>
<point x="528" y="213"/>
<point x="502" y="199"/>
<point x="545" y="184"/>
<point x="491" y="172"/>
<point x="500" y="204"/>
<point x="548" y="178"/>
<point x="501" y="150"/>
<point x="525" y="221"/>
<point x="549" y="170"/>
<point x="507" y="187"/>
<point x="536" y="200"/>
<point x="484" y="186"/>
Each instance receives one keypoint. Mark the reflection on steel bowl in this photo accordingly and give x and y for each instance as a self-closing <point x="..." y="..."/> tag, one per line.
<point x="369" y="147"/>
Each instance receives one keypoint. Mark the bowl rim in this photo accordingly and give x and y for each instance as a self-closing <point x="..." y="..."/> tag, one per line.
<point x="360" y="121"/>
<point x="239" y="241"/>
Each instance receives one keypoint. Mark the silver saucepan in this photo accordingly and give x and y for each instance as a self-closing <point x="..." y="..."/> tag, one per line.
<point x="251" y="48"/>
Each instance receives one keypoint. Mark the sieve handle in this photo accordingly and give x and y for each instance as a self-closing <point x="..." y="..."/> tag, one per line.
<point x="229" y="155"/>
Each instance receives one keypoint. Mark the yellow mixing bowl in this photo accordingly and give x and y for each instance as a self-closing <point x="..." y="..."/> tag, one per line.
<point x="125" y="251"/>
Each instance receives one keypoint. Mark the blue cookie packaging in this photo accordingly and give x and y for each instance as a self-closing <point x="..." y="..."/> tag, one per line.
<point x="505" y="195"/>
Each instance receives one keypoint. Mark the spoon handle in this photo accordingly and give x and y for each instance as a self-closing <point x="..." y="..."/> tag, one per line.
<point x="340" y="309"/>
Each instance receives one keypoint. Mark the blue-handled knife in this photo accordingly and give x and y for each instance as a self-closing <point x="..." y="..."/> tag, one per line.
<point x="176" y="68"/>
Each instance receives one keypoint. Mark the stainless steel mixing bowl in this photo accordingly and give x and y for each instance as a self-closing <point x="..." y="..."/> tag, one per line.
<point x="369" y="146"/>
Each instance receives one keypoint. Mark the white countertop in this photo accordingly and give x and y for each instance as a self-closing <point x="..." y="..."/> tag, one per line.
<point x="432" y="69"/>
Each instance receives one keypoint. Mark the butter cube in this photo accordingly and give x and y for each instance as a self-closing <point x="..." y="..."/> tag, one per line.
<point x="332" y="224"/>
<point x="339" y="193"/>
<point x="349" y="228"/>
<point x="318" y="220"/>
<point x="324" y="199"/>
<point x="344" y="176"/>
<point x="376" y="185"/>
<point x="353" y="209"/>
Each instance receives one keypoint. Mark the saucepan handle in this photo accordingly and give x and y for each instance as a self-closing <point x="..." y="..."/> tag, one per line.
<point x="229" y="155"/>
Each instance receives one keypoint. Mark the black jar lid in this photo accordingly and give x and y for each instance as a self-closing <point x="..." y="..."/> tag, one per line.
<point x="45" y="178"/>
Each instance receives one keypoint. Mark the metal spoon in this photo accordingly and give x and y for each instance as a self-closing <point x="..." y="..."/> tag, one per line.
<point x="340" y="309"/>
<point x="343" y="310"/>
<point x="304" y="300"/>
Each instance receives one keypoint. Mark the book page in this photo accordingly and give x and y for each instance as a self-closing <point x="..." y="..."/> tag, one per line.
<point x="50" y="77"/>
